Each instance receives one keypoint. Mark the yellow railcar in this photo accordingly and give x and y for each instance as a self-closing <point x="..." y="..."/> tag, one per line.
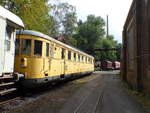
<point x="43" y="59"/>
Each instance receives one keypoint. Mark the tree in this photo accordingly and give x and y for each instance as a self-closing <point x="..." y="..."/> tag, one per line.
<point x="54" y="19"/>
<point x="69" y="24"/>
<point x="118" y="54"/>
<point x="89" y="32"/>
<point x="34" y="13"/>
<point x="108" y="55"/>
<point x="65" y="18"/>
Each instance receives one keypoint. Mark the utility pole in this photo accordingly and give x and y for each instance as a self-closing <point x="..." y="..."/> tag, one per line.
<point x="107" y="26"/>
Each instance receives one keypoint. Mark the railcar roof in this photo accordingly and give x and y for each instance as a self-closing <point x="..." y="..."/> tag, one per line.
<point x="4" y="13"/>
<point x="38" y="34"/>
<point x="108" y="61"/>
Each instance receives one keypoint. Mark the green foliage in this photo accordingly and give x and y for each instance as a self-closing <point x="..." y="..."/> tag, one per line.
<point x="118" y="54"/>
<point x="65" y="18"/>
<point x="91" y="35"/>
<point x="56" y="18"/>
<point x="89" y="32"/>
<point x="35" y="18"/>
<point x="72" y="41"/>
<point x="106" y="55"/>
<point x="1" y="2"/>
<point x="34" y="13"/>
<point x="65" y="21"/>
<point x="69" y="24"/>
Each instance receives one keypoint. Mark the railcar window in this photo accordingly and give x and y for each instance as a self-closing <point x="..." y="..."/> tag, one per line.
<point x="37" y="48"/>
<point x="47" y="49"/>
<point x="82" y="58"/>
<point x="78" y="57"/>
<point x="26" y="47"/>
<point x="9" y="31"/>
<point x="69" y="55"/>
<point x="8" y="44"/>
<point x="74" y="56"/>
<point x="17" y="46"/>
<point x="63" y="53"/>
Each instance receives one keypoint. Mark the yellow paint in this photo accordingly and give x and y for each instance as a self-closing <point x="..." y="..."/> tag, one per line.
<point x="53" y="65"/>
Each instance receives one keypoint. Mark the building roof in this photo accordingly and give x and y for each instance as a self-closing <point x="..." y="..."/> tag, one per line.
<point x="4" y="13"/>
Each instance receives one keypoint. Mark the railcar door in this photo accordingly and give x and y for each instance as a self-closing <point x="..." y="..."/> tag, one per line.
<point x="63" y="61"/>
<point x="47" y="59"/>
<point x="9" y="49"/>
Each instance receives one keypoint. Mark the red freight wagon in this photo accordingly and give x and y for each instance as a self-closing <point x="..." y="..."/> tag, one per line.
<point x="106" y="65"/>
<point x="116" y="65"/>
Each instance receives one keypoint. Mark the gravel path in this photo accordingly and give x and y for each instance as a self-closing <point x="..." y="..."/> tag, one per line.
<point x="104" y="94"/>
<point x="101" y="92"/>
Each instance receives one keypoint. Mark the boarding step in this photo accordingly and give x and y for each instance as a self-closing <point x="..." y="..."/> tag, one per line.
<point x="6" y="77"/>
<point x="7" y="91"/>
<point x="7" y="84"/>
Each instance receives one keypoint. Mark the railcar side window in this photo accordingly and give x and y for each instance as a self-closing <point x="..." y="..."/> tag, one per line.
<point x="78" y="57"/>
<point x="82" y="58"/>
<point x="26" y="47"/>
<point x="37" y="48"/>
<point x="74" y="56"/>
<point x="9" y="31"/>
<point x="69" y="55"/>
<point x="7" y="42"/>
<point x="63" y="53"/>
<point x="17" y="46"/>
<point x="47" y="49"/>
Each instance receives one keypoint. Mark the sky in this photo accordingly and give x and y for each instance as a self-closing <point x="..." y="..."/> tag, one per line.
<point x="116" y="9"/>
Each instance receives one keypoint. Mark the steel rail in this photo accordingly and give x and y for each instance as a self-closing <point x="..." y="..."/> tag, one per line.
<point x="10" y="100"/>
<point x="99" y="99"/>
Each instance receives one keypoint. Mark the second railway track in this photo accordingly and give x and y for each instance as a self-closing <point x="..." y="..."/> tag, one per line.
<point x="9" y="100"/>
<point x="90" y="103"/>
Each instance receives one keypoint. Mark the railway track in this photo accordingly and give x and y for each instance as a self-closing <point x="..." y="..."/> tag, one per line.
<point x="98" y="103"/>
<point x="95" y="100"/>
<point x="9" y="100"/>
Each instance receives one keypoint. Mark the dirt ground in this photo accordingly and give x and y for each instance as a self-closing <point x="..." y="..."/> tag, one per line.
<point x="104" y="94"/>
<point x="101" y="92"/>
<point x="50" y="101"/>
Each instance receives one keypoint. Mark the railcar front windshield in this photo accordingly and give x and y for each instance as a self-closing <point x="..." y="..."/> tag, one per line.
<point x="26" y="46"/>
